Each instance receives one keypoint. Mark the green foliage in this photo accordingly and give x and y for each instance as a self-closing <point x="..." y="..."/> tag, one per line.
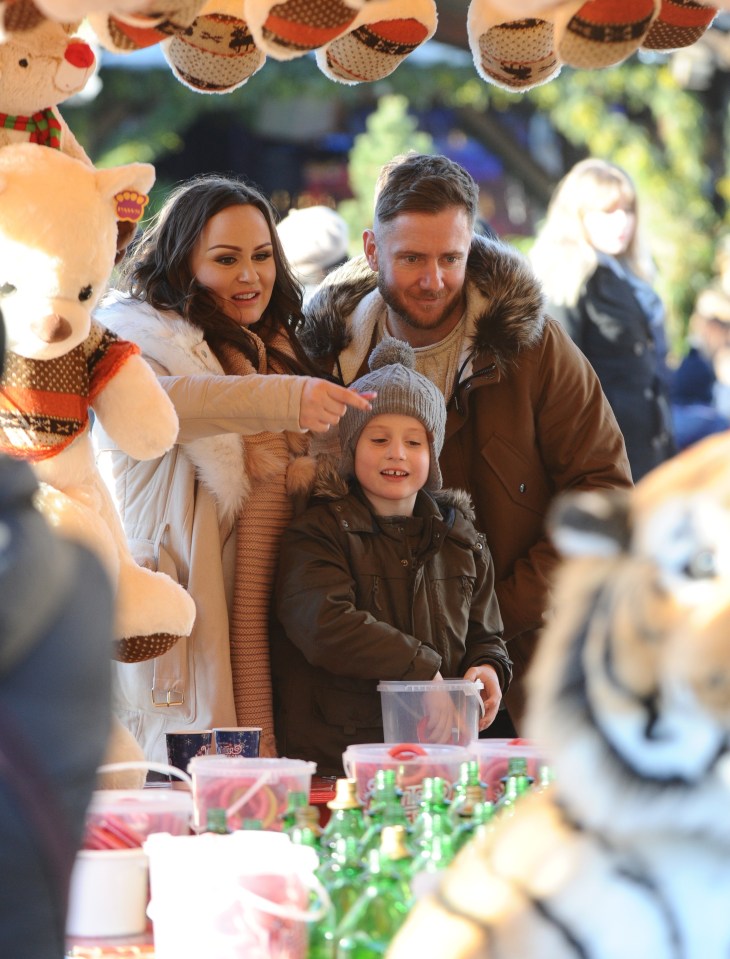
<point x="635" y="115"/>
<point x="390" y="131"/>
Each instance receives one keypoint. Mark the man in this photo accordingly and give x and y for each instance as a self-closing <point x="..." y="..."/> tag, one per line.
<point x="526" y="414"/>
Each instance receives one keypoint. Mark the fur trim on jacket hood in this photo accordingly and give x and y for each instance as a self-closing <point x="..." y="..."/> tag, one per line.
<point x="329" y="484"/>
<point x="504" y="301"/>
<point x="180" y="348"/>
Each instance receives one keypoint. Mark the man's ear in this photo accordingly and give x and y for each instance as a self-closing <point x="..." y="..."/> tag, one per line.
<point x="371" y="251"/>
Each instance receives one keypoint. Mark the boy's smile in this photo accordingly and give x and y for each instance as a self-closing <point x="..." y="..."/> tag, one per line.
<point x="392" y="462"/>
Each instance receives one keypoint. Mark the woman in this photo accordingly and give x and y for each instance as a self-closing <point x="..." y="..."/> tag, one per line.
<point x="210" y="299"/>
<point x="598" y="283"/>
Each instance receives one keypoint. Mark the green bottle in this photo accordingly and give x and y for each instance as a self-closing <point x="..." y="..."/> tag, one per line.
<point x="347" y="818"/>
<point x="216" y="821"/>
<point x="545" y="777"/>
<point x="433" y="812"/>
<point x="385" y="809"/>
<point x="306" y="830"/>
<point x="295" y="801"/>
<point x="436" y="848"/>
<point x="468" y="776"/>
<point x="474" y="818"/>
<point x="516" y="784"/>
<point x="341" y="873"/>
<point x="380" y="910"/>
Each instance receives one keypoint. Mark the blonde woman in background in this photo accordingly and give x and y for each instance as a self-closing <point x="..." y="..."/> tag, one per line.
<point x="598" y="281"/>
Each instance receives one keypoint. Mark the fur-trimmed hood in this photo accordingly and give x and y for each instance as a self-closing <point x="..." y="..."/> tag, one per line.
<point x="505" y="309"/>
<point x="180" y="348"/>
<point x="329" y="484"/>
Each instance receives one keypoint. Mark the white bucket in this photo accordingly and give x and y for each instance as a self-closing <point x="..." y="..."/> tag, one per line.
<point x="248" y="895"/>
<point x="108" y="894"/>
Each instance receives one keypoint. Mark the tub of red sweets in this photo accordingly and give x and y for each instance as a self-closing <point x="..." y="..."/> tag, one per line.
<point x="412" y="762"/>
<point x="247" y="788"/>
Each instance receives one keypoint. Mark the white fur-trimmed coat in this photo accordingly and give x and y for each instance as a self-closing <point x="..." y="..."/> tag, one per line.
<point x="179" y="512"/>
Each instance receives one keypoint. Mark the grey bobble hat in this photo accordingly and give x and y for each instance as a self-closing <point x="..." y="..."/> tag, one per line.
<point x="400" y="390"/>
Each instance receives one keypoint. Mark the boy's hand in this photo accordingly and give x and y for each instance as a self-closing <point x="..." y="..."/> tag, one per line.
<point x="491" y="694"/>
<point x="440" y="719"/>
<point x="323" y="404"/>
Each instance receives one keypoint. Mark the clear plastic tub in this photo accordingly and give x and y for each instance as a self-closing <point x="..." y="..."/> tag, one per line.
<point x="255" y="788"/>
<point x="124" y="818"/>
<point x="443" y="712"/>
<point x="494" y="755"/>
<point x="412" y="762"/>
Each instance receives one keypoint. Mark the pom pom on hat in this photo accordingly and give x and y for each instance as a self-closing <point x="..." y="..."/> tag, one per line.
<point x="401" y="389"/>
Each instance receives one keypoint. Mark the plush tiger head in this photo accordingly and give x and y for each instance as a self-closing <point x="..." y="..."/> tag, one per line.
<point x="630" y="689"/>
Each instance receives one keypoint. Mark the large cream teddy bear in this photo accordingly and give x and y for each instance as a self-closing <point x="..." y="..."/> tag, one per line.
<point x="58" y="232"/>
<point x="627" y="854"/>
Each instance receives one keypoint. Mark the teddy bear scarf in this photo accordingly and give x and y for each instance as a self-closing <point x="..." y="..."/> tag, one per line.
<point x="260" y="523"/>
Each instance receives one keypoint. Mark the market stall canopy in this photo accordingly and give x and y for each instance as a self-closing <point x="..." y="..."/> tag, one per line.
<point x="214" y="46"/>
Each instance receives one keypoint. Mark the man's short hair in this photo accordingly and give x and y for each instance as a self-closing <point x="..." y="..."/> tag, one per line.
<point x="424" y="183"/>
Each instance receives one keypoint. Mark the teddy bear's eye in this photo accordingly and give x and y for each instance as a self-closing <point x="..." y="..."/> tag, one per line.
<point x="23" y="63"/>
<point x="85" y="293"/>
<point x="6" y="289"/>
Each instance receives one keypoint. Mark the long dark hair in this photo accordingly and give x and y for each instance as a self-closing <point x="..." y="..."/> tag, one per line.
<point x="158" y="269"/>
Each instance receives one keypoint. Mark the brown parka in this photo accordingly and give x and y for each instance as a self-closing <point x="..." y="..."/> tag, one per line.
<point x="527" y="419"/>
<point x="355" y="606"/>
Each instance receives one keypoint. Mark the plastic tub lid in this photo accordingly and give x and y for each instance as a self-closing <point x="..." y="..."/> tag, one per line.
<point x="447" y="685"/>
<point x="163" y="800"/>
<point x="236" y="766"/>
<point x="385" y="752"/>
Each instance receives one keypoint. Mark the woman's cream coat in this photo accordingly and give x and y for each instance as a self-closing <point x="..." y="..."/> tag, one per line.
<point x="178" y="513"/>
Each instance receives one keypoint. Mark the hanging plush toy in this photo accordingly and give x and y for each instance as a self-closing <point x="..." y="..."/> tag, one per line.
<point x="627" y="854"/>
<point x="39" y="68"/>
<point x="57" y="245"/>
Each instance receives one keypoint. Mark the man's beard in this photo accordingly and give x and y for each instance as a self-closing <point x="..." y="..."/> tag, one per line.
<point x="394" y="302"/>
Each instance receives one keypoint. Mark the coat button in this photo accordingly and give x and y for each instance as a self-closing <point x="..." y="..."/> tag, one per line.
<point x="479" y="546"/>
<point x="648" y="393"/>
<point x="345" y="524"/>
<point x="404" y="562"/>
<point x="638" y="349"/>
<point x="523" y="487"/>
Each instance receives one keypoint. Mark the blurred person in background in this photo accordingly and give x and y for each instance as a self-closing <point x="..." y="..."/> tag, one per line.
<point x="315" y="241"/>
<point x="694" y="385"/>
<point x="598" y="281"/>
<point x="56" y="617"/>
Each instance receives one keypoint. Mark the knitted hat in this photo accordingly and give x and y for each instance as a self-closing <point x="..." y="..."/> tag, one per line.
<point x="601" y="33"/>
<point x="516" y="54"/>
<point x="679" y="24"/>
<point x="400" y="390"/>
<point x="314" y="239"/>
<point x="125" y="32"/>
<point x="382" y="35"/>
<point x="217" y="54"/>
<point x="291" y="28"/>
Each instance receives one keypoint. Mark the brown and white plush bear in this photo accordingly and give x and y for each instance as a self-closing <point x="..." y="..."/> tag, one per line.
<point x="58" y="232"/>
<point x="627" y="855"/>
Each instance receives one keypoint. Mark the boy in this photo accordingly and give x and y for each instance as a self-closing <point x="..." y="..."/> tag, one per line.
<point x="381" y="580"/>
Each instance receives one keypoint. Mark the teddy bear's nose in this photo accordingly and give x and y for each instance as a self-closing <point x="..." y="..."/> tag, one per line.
<point x="79" y="54"/>
<point x="52" y="328"/>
